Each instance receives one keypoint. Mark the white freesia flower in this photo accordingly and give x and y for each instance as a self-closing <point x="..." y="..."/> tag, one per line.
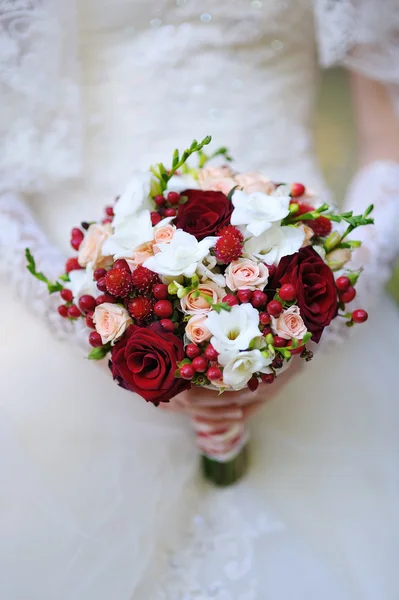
<point x="81" y="283"/>
<point x="239" y="370"/>
<point x="274" y="243"/>
<point x="180" y="183"/>
<point x="181" y="256"/>
<point x="258" y="210"/>
<point x="129" y="234"/>
<point x="233" y="330"/>
<point x="135" y="198"/>
<point x="205" y="271"/>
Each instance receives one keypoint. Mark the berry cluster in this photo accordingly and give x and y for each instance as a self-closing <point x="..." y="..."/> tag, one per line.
<point x="166" y="207"/>
<point x="201" y="360"/>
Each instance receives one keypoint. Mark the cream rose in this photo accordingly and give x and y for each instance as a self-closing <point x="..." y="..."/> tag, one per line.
<point x="309" y="233"/>
<point x="216" y="179"/>
<point x="246" y="274"/>
<point x="338" y="258"/>
<point x="192" y="305"/>
<point x="111" y="321"/>
<point x="197" y="330"/>
<point x="90" y="251"/>
<point x="289" y="324"/>
<point x="254" y="182"/>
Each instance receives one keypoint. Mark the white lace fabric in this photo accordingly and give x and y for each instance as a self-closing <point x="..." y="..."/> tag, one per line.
<point x="114" y="508"/>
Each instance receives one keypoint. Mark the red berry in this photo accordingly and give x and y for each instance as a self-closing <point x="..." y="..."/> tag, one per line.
<point x="200" y="364"/>
<point x="244" y="295"/>
<point x="192" y="351"/>
<point x="144" y="279"/>
<point x="102" y="284"/>
<point x="168" y="325"/>
<point x="89" y="320"/>
<point x="105" y="298"/>
<point x="279" y="342"/>
<point x="63" y="310"/>
<point x="95" y="339"/>
<point x="87" y="303"/>
<point x="297" y="189"/>
<point x="99" y="274"/>
<point x="287" y="292"/>
<point x="298" y="350"/>
<point x="118" y="282"/>
<point x="214" y="373"/>
<point x="163" y="309"/>
<point x="264" y="318"/>
<point x="230" y="299"/>
<point x="109" y="211"/>
<point x="74" y="312"/>
<point x="359" y="316"/>
<point x="159" y="200"/>
<point x="258" y="299"/>
<point x="170" y="212"/>
<point x="106" y="221"/>
<point x="343" y="283"/>
<point x="274" y="308"/>
<point x="272" y="270"/>
<point x="348" y="295"/>
<point x="72" y="265"/>
<point x="277" y="362"/>
<point x="267" y="377"/>
<point x="231" y="230"/>
<point x="140" y="308"/>
<point x="228" y="248"/>
<point x="266" y="330"/>
<point x="321" y="226"/>
<point x="155" y="218"/>
<point x="76" y="238"/>
<point x="187" y="371"/>
<point x="160" y="291"/>
<point x="210" y="353"/>
<point x="253" y="384"/>
<point x="66" y="295"/>
<point x="173" y="198"/>
<point x="121" y="263"/>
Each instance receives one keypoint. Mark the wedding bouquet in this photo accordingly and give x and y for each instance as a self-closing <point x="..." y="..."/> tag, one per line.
<point x="200" y="276"/>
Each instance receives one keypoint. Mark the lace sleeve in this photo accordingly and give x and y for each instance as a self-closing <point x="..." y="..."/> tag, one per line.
<point x="377" y="183"/>
<point x="19" y="231"/>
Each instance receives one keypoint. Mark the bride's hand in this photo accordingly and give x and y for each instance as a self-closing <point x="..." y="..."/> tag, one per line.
<point x="206" y="406"/>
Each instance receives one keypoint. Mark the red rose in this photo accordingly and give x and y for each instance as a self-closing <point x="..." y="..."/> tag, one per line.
<point x="315" y="288"/>
<point x="204" y="213"/>
<point x="144" y="361"/>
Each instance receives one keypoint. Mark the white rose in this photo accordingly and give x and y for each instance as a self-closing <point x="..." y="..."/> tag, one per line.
<point x="111" y="321"/>
<point x="274" y="243"/>
<point x="180" y="256"/>
<point x="258" y="210"/>
<point x="233" y="330"/>
<point x="81" y="283"/>
<point x="239" y="370"/>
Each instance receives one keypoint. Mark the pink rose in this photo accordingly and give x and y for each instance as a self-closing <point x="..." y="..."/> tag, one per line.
<point x="196" y="329"/>
<point x="194" y="306"/>
<point x="289" y="324"/>
<point x="163" y="235"/>
<point x="111" y="321"/>
<point x="216" y="179"/>
<point x="254" y="182"/>
<point x="246" y="274"/>
<point x="142" y="253"/>
<point x="90" y="251"/>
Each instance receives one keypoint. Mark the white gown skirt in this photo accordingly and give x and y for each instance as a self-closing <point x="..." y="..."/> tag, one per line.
<point x="101" y="495"/>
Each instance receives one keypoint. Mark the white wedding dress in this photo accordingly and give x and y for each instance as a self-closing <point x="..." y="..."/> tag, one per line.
<point x="100" y="496"/>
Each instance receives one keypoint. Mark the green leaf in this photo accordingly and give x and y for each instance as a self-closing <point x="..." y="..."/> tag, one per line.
<point x="221" y="306"/>
<point x="175" y="158"/>
<point x="65" y="277"/>
<point x="176" y="374"/>
<point x="306" y="337"/>
<point x="368" y="210"/>
<point x="99" y="353"/>
<point x="294" y="343"/>
<point x="354" y="276"/>
<point x="322" y="208"/>
<point x="31" y="266"/>
<point x="309" y="216"/>
<point x="285" y="353"/>
<point x="231" y="192"/>
<point x="185" y="361"/>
